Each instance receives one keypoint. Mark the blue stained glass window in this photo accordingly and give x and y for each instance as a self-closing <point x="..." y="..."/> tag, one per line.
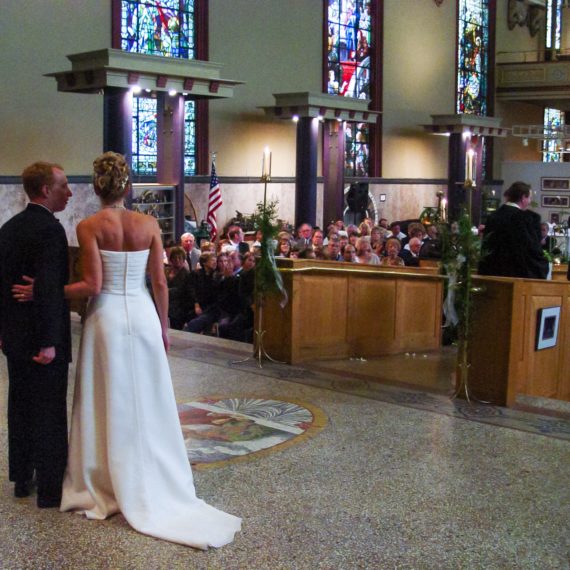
<point x="145" y="149"/>
<point x="473" y="56"/>
<point x="350" y="44"/>
<point x="356" y="154"/>
<point x="189" y="138"/>
<point x="553" y="20"/>
<point x="164" y="28"/>
<point x="553" y="127"/>
<point x="158" y="27"/>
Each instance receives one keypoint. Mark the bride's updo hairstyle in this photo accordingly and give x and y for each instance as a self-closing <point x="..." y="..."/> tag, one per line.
<point x="110" y="176"/>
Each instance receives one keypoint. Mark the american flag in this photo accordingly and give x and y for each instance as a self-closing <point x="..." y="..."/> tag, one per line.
<point x="214" y="202"/>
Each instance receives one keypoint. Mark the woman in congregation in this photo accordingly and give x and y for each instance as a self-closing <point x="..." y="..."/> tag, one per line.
<point x="364" y="252"/>
<point x="283" y="246"/>
<point x="206" y="295"/>
<point x="127" y="453"/>
<point x="376" y="235"/>
<point x="392" y="258"/>
<point x="364" y="229"/>
<point x="180" y="291"/>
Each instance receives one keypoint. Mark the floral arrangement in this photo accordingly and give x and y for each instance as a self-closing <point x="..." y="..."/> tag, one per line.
<point x="461" y="253"/>
<point x="268" y="280"/>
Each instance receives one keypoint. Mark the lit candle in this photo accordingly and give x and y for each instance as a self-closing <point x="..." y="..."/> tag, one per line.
<point x="443" y="209"/>
<point x="466" y="166"/>
<point x="266" y="164"/>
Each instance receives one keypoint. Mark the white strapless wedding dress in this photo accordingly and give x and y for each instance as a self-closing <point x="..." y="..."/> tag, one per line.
<point x="126" y="451"/>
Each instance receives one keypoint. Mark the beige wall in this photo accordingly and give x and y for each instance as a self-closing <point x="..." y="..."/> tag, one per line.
<point x="511" y="44"/>
<point x="275" y="47"/>
<point x="37" y="122"/>
<point x="516" y="40"/>
<point x="512" y="148"/>
<point x="419" y="81"/>
<point x="272" y="45"/>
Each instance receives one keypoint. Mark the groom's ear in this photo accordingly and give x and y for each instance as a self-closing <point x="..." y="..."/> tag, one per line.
<point x="44" y="191"/>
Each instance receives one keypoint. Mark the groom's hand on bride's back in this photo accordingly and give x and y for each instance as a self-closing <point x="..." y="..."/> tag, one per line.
<point x="24" y="293"/>
<point x="45" y="355"/>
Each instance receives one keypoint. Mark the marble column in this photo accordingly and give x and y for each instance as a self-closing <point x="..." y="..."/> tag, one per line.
<point x="117" y="121"/>
<point x="333" y="172"/>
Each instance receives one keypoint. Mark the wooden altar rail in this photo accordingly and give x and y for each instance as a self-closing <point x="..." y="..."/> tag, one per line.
<point x="340" y="310"/>
<point x="504" y="361"/>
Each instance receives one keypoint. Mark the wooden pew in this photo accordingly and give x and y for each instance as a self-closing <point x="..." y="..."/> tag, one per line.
<point x="339" y="310"/>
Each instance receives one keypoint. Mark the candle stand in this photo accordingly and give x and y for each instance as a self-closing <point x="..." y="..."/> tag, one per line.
<point x="259" y="352"/>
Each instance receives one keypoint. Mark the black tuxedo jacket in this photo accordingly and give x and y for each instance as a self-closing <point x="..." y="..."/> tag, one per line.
<point x="511" y="245"/>
<point x="409" y="259"/>
<point x="34" y="243"/>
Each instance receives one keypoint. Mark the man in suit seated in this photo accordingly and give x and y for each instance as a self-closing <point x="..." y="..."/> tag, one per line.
<point x="304" y="235"/>
<point x="188" y="244"/>
<point x="411" y="252"/>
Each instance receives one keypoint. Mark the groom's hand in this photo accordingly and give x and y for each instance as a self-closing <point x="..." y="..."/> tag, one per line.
<point x="45" y="355"/>
<point x="24" y="293"/>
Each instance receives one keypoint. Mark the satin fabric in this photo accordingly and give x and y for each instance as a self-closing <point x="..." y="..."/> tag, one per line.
<point x="127" y="453"/>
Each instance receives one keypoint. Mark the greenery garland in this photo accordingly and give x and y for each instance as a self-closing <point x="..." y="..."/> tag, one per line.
<point x="461" y="253"/>
<point x="268" y="279"/>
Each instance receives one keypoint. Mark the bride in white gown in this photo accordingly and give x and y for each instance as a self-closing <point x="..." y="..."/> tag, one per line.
<point x="127" y="453"/>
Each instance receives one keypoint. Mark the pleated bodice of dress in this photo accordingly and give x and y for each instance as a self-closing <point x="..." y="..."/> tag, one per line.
<point x="124" y="272"/>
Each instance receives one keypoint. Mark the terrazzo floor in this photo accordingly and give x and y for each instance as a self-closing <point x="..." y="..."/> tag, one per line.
<point x="397" y="478"/>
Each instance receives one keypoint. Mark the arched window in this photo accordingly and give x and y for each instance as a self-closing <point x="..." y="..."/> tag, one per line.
<point x="351" y="71"/>
<point x="164" y="28"/>
<point x="553" y="22"/>
<point x="473" y="57"/>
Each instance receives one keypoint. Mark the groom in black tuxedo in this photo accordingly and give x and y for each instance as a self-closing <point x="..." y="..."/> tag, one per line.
<point x="35" y="336"/>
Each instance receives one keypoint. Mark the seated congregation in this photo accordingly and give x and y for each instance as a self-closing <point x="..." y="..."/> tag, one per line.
<point x="211" y="288"/>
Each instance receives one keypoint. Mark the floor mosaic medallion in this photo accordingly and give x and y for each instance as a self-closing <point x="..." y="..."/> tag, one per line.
<point x="222" y="429"/>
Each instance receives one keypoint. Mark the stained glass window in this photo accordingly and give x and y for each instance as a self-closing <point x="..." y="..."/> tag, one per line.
<point x="350" y="44"/>
<point x="553" y="127"/>
<point x="553" y="19"/>
<point x="145" y="149"/>
<point x="163" y="28"/>
<point x="472" y="56"/>
<point x="158" y="27"/>
<point x="356" y="149"/>
<point x="189" y="138"/>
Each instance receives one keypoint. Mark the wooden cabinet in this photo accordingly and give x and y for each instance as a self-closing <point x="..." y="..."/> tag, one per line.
<point x="157" y="200"/>
<point x="503" y="355"/>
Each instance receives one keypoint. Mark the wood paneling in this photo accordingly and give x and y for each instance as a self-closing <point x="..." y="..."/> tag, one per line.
<point x="504" y="360"/>
<point x="322" y="326"/>
<point x="338" y="310"/>
<point x="372" y="310"/>
<point x="417" y="323"/>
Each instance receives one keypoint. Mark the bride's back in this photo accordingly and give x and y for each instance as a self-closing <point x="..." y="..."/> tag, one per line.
<point x="114" y="227"/>
<point x="117" y="229"/>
